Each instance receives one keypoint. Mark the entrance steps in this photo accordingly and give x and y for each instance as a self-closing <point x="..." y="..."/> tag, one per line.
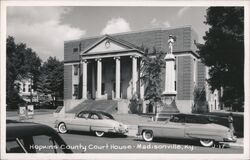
<point x="109" y="106"/>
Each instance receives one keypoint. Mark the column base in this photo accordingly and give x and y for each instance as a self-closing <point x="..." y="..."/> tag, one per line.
<point x="169" y="93"/>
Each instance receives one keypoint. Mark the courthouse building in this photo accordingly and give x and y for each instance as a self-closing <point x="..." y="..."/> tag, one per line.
<point x="107" y="68"/>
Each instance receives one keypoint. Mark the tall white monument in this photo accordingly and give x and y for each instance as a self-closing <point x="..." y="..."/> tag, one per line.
<point x="170" y="71"/>
<point x="169" y="94"/>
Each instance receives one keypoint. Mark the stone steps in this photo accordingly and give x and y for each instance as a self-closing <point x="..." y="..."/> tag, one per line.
<point x="109" y="106"/>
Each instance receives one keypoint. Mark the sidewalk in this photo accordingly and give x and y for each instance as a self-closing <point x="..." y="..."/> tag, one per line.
<point x="131" y="120"/>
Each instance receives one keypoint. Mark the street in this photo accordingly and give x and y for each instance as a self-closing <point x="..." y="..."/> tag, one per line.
<point x="81" y="142"/>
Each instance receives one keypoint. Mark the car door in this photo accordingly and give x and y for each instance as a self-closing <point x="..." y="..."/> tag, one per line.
<point x="174" y="128"/>
<point x="96" y="122"/>
<point x="80" y="122"/>
<point x="196" y="127"/>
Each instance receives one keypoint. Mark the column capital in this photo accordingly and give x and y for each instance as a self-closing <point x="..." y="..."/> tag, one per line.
<point x="98" y="59"/>
<point x="84" y="61"/>
<point x="117" y="58"/>
<point x="134" y="56"/>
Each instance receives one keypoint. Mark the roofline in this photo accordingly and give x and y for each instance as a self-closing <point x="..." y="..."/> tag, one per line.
<point x="130" y="32"/>
<point x="106" y="36"/>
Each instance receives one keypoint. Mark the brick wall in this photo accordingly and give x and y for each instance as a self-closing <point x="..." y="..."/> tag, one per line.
<point x="67" y="82"/>
<point x="201" y="75"/>
<point x="185" y="78"/>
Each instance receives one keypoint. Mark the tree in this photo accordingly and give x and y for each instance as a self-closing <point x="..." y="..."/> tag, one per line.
<point x="153" y="63"/>
<point x="51" y="78"/>
<point x="22" y="62"/>
<point x="200" y="101"/>
<point x="223" y="52"/>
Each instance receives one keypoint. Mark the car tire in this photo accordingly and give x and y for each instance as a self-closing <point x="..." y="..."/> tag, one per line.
<point x="99" y="133"/>
<point x="62" y="128"/>
<point x="206" y="142"/>
<point x="147" y="135"/>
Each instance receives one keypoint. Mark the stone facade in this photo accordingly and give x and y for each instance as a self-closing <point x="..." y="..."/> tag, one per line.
<point x="96" y="67"/>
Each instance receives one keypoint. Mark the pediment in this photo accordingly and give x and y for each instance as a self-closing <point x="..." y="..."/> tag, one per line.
<point x="107" y="44"/>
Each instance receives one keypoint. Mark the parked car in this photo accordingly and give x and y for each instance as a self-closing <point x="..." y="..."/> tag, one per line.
<point x="187" y="126"/>
<point x="91" y="121"/>
<point x="28" y="137"/>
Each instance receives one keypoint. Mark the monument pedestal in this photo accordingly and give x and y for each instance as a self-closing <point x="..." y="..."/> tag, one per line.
<point x="168" y="96"/>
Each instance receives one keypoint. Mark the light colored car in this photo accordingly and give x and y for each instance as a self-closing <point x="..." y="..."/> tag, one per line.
<point x="91" y="121"/>
<point x="187" y="126"/>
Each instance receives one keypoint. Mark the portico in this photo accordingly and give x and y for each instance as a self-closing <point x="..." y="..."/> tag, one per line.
<point x="110" y="70"/>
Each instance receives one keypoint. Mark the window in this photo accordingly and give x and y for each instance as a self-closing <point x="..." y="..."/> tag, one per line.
<point x="75" y="69"/>
<point x="24" y="87"/>
<point x="83" y="115"/>
<point x="75" y="50"/>
<point x="175" y="85"/>
<point x="94" y="116"/>
<point x="29" y="90"/>
<point x="75" y="90"/>
<point x="177" y="119"/>
<point x="103" y="88"/>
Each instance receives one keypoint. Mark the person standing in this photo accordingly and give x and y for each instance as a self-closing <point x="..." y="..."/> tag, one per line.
<point x="230" y="121"/>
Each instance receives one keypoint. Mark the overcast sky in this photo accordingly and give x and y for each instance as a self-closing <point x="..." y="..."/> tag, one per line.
<point x="44" y="29"/>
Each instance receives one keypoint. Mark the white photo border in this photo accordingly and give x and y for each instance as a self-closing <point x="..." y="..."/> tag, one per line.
<point x="195" y="3"/>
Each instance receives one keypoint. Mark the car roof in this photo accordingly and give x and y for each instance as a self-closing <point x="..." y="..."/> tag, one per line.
<point x="100" y="113"/>
<point x="15" y="129"/>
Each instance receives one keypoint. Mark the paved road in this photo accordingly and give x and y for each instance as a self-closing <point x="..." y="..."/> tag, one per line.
<point x="85" y="142"/>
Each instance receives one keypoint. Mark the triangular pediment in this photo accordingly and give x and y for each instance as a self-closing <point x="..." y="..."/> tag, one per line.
<point x="108" y="44"/>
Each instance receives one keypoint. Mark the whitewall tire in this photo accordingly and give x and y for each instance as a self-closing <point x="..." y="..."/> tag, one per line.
<point x="99" y="133"/>
<point x="62" y="128"/>
<point x="206" y="142"/>
<point x="147" y="135"/>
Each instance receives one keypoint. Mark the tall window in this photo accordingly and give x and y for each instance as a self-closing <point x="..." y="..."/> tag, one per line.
<point x="175" y="87"/>
<point x="24" y="87"/>
<point x="75" y="90"/>
<point x="75" y="69"/>
<point x="195" y="70"/>
<point x="29" y="90"/>
<point x="103" y="88"/>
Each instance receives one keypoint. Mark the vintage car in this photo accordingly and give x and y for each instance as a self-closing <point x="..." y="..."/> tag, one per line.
<point x="91" y="121"/>
<point x="187" y="126"/>
<point x="28" y="137"/>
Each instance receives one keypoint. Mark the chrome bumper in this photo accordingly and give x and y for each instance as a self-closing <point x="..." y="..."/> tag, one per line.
<point x="231" y="139"/>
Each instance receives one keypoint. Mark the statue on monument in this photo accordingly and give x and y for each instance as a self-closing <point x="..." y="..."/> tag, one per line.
<point x="171" y="40"/>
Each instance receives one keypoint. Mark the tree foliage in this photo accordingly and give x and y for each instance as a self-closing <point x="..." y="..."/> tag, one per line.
<point x="22" y="62"/>
<point x="153" y="63"/>
<point x="51" y="78"/>
<point x="223" y="52"/>
<point x="200" y="101"/>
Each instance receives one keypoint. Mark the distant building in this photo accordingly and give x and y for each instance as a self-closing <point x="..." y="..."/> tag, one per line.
<point x="26" y="91"/>
<point x="108" y="67"/>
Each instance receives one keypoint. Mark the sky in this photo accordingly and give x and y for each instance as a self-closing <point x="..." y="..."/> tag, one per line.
<point x="44" y="29"/>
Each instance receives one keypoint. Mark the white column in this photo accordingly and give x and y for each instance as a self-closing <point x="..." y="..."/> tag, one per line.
<point x="84" y="79"/>
<point x="99" y="79"/>
<point x="134" y="74"/>
<point x="141" y="82"/>
<point x="93" y="79"/>
<point x="117" y="77"/>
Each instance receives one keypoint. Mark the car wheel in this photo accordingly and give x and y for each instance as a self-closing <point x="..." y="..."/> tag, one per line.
<point x="99" y="133"/>
<point x="62" y="128"/>
<point x="147" y="135"/>
<point x="206" y="142"/>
